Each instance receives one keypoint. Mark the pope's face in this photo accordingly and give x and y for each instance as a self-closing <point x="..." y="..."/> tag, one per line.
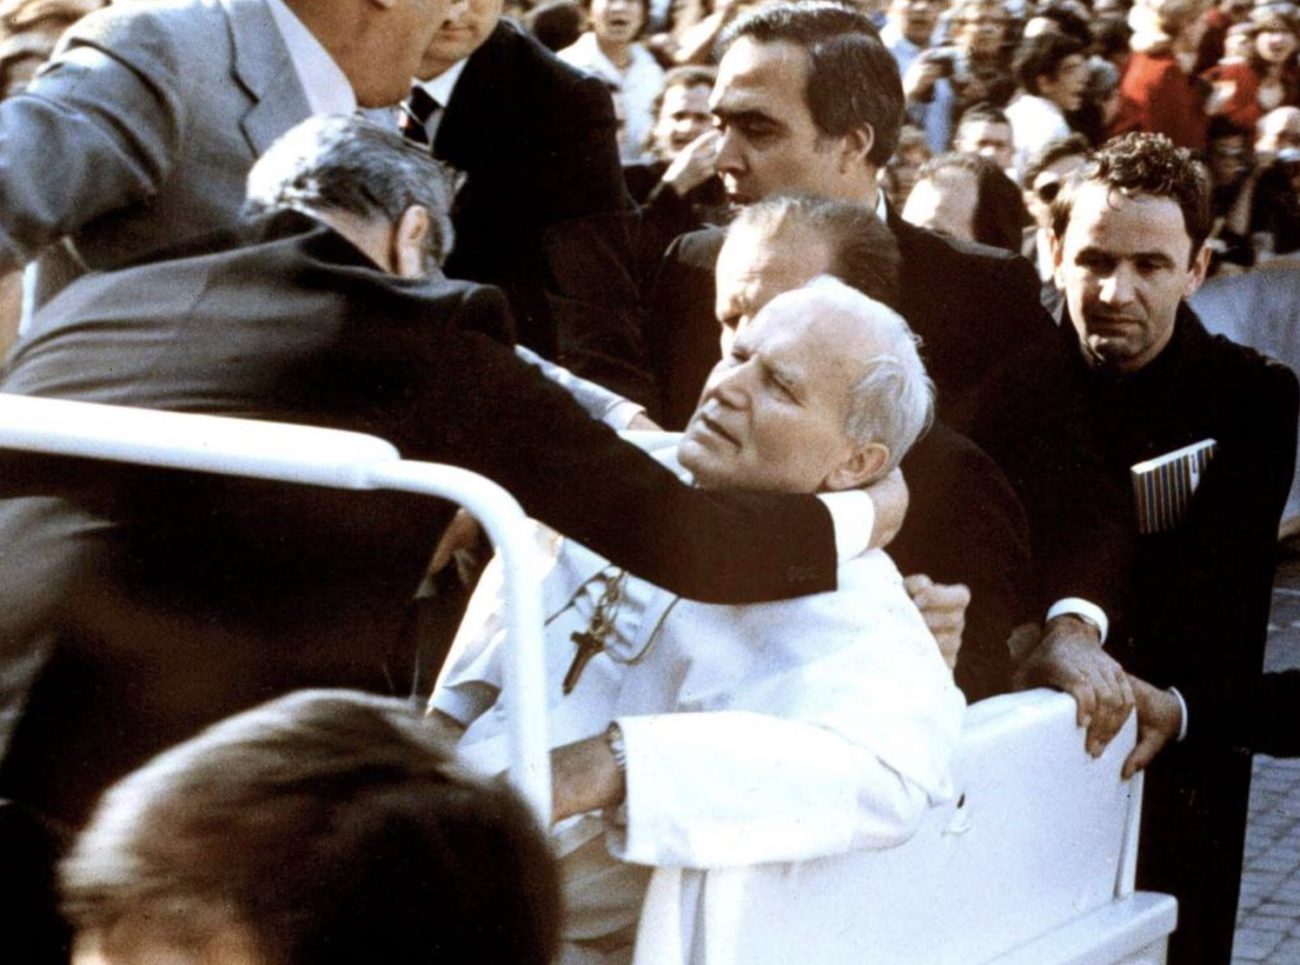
<point x="772" y="416"/>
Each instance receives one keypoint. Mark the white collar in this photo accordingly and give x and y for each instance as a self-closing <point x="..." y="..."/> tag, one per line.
<point x="882" y="209"/>
<point x="327" y="88"/>
<point x="587" y="48"/>
<point x="441" y="88"/>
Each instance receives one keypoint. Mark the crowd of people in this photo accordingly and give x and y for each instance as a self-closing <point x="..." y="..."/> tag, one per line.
<point x="898" y="298"/>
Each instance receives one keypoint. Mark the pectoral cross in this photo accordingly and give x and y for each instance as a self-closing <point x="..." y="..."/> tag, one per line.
<point x="588" y="646"/>
<point x="592" y="640"/>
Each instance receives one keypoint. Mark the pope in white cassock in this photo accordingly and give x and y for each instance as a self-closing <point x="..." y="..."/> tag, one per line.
<point x="701" y="735"/>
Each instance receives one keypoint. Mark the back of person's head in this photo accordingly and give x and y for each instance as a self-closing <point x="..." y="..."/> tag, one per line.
<point x="862" y="251"/>
<point x="1072" y="145"/>
<point x="1042" y="55"/>
<point x="983" y="113"/>
<point x="1143" y="164"/>
<point x="323" y="828"/>
<point x="556" y="23"/>
<point x="1069" y="17"/>
<point x="347" y="164"/>
<point x="1110" y="37"/>
<point x="999" y="216"/>
<point x="853" y="79"/>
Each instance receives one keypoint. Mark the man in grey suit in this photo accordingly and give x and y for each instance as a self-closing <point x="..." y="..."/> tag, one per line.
<point x="140" y="132"/>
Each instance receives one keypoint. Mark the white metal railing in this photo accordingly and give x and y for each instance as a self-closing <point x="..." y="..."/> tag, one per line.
<point x="322" y="457"/>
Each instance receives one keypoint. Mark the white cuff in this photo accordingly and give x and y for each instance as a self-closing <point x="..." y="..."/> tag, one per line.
<point x="854" y="516"/>
<point x="1182" y="705"/>
<point x="1079" y="607"/>
<point x="620" y="414"/>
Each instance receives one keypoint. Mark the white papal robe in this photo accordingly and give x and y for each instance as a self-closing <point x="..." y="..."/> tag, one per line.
<point x="757" y="733"/>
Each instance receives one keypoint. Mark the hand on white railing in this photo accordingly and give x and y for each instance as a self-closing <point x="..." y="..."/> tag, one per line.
<point x="1070" y="658"/>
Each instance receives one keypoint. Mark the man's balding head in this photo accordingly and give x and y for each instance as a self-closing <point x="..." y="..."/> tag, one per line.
<point x="784" y="242"/>
<point x="384" y="193"/>
<point x="823" y="390"/>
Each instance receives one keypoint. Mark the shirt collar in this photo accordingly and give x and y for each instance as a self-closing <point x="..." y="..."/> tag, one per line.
<point x="327" y="88"/>
<point x="441" y="88"/>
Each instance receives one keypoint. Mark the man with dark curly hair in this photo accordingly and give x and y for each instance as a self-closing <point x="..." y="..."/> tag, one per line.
<point x="1205" y="429"/>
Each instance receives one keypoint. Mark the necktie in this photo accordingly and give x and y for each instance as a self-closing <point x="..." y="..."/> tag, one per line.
<point x="418" y="110"/>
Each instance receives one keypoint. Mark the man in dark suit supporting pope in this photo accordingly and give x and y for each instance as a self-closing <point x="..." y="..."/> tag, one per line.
<point x="137" y="605"/>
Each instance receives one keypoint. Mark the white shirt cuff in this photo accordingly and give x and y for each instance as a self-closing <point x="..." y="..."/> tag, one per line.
<point x="1079" y="607"/>
<point x="1182" y="705"/>
<point x="854" y="516"/>
<point x="620" y="414"/>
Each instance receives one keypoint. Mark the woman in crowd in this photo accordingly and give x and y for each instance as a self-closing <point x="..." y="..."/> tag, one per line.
<point x="1246" y="90"/>
<point x="610" y="51"/>
<point x="1157" y="92"/>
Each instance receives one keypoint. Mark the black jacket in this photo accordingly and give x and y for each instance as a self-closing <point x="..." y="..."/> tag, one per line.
<point x="544" y="213"/>
<point x="138" y="605"/>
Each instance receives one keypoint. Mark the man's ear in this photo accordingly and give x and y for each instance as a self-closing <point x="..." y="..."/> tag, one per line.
<point x="1196" y="273"/>
<point x="408" y="242"/>
<point x="864" y="465"/>
<point x="855" y="146"/>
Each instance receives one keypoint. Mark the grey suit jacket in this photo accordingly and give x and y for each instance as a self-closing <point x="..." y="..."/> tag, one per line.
<point x="140" y="132"/>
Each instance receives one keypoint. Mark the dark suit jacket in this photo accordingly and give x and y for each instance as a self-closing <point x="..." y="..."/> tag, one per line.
<point x="965" y="525"/>
<point x="1259" y="712"/>
<point x="537" y="141"/>
<point x="1201" y="597"/>
<point x="138" y="605"/>
<point x="1003" y="377"/>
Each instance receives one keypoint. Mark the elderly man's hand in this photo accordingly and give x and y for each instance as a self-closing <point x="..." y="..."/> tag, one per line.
<point x="943" y="606"/>
<point x="458" y="539"/>
<point x="1160" y="718"/>
<point x="584" y="777"/>
<point x="889" y="497"/>
<point x="1070" y="658"/>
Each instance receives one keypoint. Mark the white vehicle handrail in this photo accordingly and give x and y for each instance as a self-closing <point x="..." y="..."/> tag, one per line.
<point x="334" y="458"/>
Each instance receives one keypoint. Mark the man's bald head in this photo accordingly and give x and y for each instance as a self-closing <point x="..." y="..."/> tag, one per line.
<point x="784" y="242"/>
